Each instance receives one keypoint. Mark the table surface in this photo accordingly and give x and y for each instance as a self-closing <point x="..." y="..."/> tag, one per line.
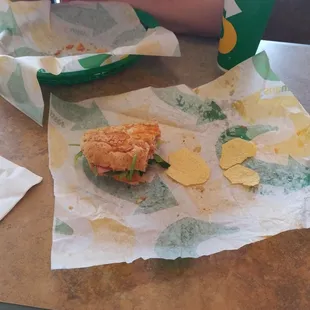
<point x="271" y="274"/>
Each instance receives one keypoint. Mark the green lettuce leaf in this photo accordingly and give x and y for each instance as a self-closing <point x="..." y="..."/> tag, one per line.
<point x="77" y="157"/>
<point x="158" y="160"/>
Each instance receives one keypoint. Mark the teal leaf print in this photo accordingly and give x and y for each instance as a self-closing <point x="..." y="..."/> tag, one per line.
<point x="291" y="177"/>
<point x="21" y="98"/>
<point x="206" y="111"/>
<point x="99" y="19"/>
<point x="8" y="23"/>
<point x="93" y="61"/>
<point x="262" y="66"/>
<point x="26" y="51"/>
<point x="129" y="37"/>
<point x="151" y="197"/>
<point x="82" y="117"/>
<point x="63" y="228"/>
<point x="182" y="238"/>
<point x="244" y="132"/>
<point x="17" y="87"/>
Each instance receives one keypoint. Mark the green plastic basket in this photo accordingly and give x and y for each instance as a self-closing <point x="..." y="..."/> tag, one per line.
<point x="77" y="77"/>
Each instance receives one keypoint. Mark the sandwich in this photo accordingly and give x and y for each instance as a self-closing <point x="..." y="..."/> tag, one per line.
<point x="122" y="152"/>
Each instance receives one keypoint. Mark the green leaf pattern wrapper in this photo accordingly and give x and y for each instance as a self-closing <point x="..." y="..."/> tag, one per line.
<point x="161" y="218"/>
<point x="75" y="38"/>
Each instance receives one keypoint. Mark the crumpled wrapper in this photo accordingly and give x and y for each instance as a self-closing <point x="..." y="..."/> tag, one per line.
<point x="101" y="221"/>
<point x="15" y="181"/>
<point x="35" y="35"/>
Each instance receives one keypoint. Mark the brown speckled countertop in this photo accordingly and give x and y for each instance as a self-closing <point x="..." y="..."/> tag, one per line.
<point x="271" y="274"/>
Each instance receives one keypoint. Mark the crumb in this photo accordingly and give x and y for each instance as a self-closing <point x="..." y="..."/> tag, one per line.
<point x="80" y="47"/>
<point x="58" y="53"/>
<point x="276" y="150"/>
<point x="200" y="188"/>
<point x="70" y="208"/>
<point x="197" y="149"/>
<point x="69" y="46"/>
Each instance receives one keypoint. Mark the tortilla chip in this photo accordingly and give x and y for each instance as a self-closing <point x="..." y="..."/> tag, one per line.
<point x="236" y="151"/>
<point x="242" y="175"/>
<point x="188" y="168"/>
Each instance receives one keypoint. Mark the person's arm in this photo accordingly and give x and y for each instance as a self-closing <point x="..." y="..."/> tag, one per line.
<point x="188" y="16"/>
<point x="202" y="17"/>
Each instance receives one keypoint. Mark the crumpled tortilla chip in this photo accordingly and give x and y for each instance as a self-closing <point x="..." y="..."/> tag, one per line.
<point x="188" y="168"/>
<point x="242" y="175"/>
<point x="236" y="151"/>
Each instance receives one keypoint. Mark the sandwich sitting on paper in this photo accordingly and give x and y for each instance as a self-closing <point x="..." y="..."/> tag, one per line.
<point x="125" y="152"/>
<point x="122" y="152"/>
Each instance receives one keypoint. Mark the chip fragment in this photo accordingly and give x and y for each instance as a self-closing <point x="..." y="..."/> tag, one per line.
<point x="239" y="174"/>
<point x="236" y="151"/>
<point x="188" y="168"/>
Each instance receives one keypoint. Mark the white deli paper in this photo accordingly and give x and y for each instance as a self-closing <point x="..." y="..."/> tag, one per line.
<point x="15" y="181"/>
<point x="61" y="38"/>
<point x="98" y="220"/>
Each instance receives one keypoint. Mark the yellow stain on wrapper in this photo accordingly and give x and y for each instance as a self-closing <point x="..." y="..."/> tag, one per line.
<point x="255" y="108"/>
<point x="24" y="7"/>
<point x="295" y="146"/>
<point x="107" y="229"/>
<point x="236" y="151"/>
<point x="6" y="65"/>
<point x="149" y="48"/>
<point x="142" y="111"/>
<point x="188" y="168"/>
<point x="50" y="64"/>
<point x="242" y="175"/>
<point x="223" y="87"/>
<point x="229" y="39"/>
<point x="58" y="148"/>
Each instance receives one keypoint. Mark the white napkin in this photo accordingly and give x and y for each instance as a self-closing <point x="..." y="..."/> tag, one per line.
<point x="15" y="181"/>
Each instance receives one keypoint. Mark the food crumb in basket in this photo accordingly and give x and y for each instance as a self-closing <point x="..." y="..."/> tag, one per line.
<point x="80" y="47"/>
<point x="69" y="46"/>
<point x="70" y="208"/>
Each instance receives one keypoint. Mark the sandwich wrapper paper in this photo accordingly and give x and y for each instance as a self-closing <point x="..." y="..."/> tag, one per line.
<point x="101" y="221"/>
<point x="15" y="181"/>
<point x="83" y="35"/>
